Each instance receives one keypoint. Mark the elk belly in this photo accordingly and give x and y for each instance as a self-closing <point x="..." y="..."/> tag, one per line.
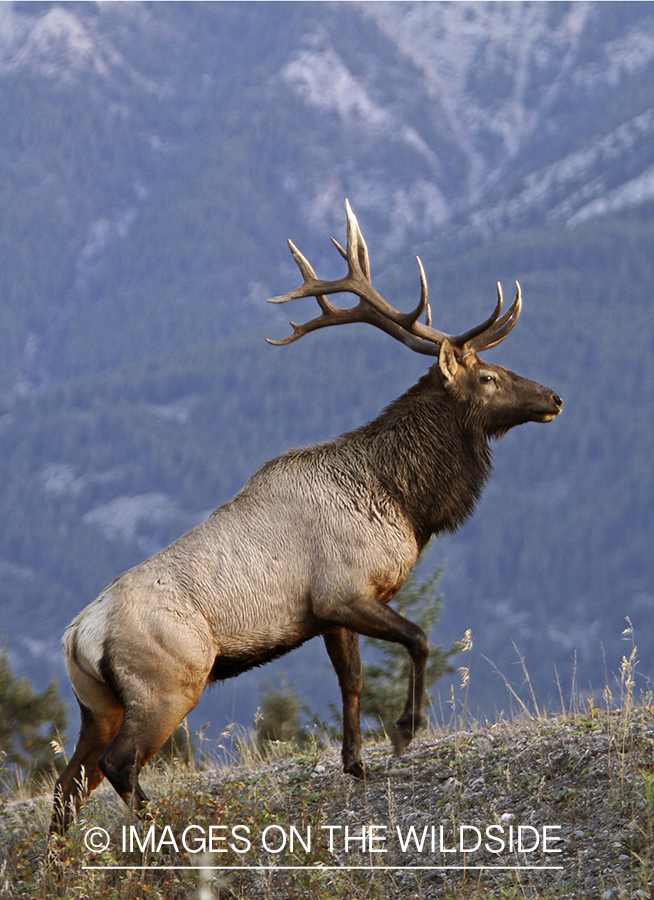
<point x="240" y="652"/>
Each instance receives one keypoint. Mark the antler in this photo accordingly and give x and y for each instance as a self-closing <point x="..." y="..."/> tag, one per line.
<point x="372" y="307"/>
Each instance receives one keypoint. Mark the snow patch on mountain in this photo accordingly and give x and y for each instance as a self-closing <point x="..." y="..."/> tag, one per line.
<point x="53" y="44"/>
<point x="633" y="193"/>
<point x="578" y="186"/>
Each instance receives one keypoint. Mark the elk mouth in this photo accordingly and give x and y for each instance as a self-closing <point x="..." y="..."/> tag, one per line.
<point x="554" y="408"/>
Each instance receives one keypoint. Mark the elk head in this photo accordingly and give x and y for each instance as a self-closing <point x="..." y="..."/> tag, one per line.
<point x="495" y="398"/>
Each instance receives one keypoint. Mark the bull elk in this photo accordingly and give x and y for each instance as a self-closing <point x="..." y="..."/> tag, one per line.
<point x="317" y="543"/>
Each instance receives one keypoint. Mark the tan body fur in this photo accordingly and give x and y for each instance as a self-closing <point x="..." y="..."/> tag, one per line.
<point x="242" y="586"/>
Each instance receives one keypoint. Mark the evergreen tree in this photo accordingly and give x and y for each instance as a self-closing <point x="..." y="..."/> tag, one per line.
<point x="280" y="717"/>
<point x="28" y="721"/>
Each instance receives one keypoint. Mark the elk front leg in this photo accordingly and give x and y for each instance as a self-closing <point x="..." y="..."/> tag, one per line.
<point x="411" y="719"/>
<point x="343" y="649"/>
<point x="372" y="618"/>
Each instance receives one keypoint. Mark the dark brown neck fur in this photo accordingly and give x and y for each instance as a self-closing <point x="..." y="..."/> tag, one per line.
<point x="428" y="456"/>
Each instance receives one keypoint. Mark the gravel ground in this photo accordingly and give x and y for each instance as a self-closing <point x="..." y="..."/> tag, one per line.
<point x="559" y="807"/>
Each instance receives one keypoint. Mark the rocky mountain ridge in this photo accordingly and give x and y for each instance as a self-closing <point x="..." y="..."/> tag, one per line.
<point x="428" y="115"/>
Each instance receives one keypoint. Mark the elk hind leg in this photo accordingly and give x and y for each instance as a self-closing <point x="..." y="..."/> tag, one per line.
<point x="144" y="730"/>
<point x="83" y="773"/>
<point x="343" y="649"/>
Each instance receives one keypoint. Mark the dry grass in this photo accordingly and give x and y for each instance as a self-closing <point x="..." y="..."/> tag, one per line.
<point x="587" y="774"/>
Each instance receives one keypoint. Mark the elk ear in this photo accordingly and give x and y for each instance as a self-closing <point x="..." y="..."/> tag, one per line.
<point x="447" y="363"/>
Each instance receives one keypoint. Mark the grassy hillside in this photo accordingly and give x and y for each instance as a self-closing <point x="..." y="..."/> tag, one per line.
<point x="576" y="790"/>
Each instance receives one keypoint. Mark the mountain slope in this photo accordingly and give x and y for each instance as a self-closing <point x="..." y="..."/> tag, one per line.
<point x="155" y="158"/>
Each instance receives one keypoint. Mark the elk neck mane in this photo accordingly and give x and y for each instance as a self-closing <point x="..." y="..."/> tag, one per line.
<point x="431" y="456"/>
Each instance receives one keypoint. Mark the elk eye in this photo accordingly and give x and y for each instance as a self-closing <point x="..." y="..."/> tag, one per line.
<point x="487" y="379"/>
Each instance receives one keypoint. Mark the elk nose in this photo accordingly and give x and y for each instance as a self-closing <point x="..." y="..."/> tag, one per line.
<point x="557" y="401"/>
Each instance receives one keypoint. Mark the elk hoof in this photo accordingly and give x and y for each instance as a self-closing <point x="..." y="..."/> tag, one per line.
<point x="401" y="738"/>
<point x="405" y="728"/>
<point x="355" y="769"/>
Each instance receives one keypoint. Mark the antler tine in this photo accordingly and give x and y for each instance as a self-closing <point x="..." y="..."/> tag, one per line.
<point x="423" y="306"/>
<point x="500" y="328"/>
<point x="362" y="255"/>
<point x="468" y="340"/>
<point x="330" y="312"/>
<point x="303" y="263"/>
<point x="353" y="234"/>
<point x="340" y="317"/>
<point x="339" y="248"/>
<point x="424" y="294"/>
<point x="358" y="262"/>
<point x="364" y="260"/>
<point x="308" y="273"/>
<point x="357" y="249"/>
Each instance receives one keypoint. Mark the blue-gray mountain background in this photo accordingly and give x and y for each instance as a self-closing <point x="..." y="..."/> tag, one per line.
<point x="155" y="157"/>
